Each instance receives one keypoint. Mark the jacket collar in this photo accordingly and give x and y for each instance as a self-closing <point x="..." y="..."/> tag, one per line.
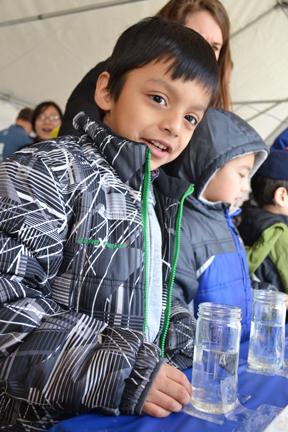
<point x="128" y="158"/>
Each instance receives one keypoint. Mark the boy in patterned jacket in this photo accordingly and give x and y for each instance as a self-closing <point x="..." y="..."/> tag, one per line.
<point x="89" y="247"/>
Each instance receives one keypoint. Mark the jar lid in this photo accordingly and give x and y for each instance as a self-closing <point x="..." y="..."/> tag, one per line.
<point x="219" y="311"/>
<point x="269" y="296"/>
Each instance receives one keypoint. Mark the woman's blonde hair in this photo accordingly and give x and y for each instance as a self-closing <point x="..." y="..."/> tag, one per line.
<point x="179" y="10"/>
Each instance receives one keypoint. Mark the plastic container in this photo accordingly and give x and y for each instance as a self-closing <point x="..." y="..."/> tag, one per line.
<point x="267" y="334"/>
<point x="216" y="356"/>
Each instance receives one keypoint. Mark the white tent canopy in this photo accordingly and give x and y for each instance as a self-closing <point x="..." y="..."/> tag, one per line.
<point x="48" y="46"/>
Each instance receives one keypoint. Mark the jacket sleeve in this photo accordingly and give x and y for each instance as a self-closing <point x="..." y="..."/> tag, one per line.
<point x="72" y="362"/>
<point x="33" y="226"/>
<point x="54" y="361"/>
<point x="179" y="343"/>
<point x="264" y="245"/>
<point x="186" y="285"/>
<point x="279" y="257"/>
<point x="180" y="339"/>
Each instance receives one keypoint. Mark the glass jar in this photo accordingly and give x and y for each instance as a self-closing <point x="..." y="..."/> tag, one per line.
<point x="267" y="334"/>
<point x="216" y="355"/>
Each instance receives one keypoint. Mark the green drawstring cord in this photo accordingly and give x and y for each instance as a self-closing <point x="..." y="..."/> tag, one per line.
<point x="173" y="269"/>
<point x="146" y="186"/>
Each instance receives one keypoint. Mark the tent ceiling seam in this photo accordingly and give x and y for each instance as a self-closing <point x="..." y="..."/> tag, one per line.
<point x="266" y="113"/>
<point x="67" y="12"/>
<point x="283" y="5"/>
<point x="16" y="101"/>
<point x="260" y="101"/>
<point x="260" y="17"/>
<point x="273" y="132"/>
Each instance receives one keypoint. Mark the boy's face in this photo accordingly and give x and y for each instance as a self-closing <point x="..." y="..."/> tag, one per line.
<point x="155" y="110"/>
<point x="230" y="181"/>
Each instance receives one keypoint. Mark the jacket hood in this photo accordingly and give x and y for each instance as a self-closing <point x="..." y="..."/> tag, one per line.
<point x="255" y="221"/>
<point x="126" y="157"/>
<point x="220" y="137"/>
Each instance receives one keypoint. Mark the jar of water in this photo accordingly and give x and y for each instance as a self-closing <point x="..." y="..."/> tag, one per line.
<point x="267" y="334"/>
<point x="216" y="355"/>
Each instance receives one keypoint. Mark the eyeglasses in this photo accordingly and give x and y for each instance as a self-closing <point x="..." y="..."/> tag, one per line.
<point x="52" y="117"/>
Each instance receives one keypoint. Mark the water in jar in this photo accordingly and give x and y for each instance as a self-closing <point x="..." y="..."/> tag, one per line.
<point x="214" y="379"/>
<point x="266" y="346"/>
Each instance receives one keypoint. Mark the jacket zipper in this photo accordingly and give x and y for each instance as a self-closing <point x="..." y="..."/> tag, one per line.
<point x="146" y="186"/>
<point x="237" y="244"/>
<point x="173" y="269"/>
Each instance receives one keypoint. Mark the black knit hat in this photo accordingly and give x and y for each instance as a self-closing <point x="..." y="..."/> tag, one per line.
<point x="275" y="166"/>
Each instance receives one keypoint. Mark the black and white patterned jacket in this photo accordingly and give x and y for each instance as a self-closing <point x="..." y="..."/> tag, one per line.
<point x="72" y="279"/>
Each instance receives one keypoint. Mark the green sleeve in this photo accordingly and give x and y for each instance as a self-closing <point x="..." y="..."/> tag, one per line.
<point x="264" y="245"/>
<point x="279" y="255"/>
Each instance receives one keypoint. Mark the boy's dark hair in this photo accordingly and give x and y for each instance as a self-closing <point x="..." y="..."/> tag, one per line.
<point x="26" y="114"/>
<point x="42" y="107"/>
<point x="156" y="39"/>
<point x="263" y="189"/>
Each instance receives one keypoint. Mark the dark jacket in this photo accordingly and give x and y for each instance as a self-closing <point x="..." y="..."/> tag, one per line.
<point x="265" y="235"/>
<point x="281" y="142"/>
<point x="82" y="99"/>
<point x="72" y="281"/>
<point x="212" y="263"/>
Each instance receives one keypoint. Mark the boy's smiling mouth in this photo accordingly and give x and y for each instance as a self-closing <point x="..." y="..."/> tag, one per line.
<point x="158" y="145"/>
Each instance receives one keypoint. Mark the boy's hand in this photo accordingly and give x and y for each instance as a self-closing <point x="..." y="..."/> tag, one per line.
<point x="170" y="390"/>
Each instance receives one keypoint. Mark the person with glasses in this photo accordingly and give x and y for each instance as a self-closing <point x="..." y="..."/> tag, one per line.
<point x="46" y="117"/>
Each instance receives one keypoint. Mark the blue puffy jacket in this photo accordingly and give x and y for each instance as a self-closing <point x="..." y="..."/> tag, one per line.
<point x="227" y="280"/>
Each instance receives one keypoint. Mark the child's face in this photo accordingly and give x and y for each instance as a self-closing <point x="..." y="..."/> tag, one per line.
<point x="230" y="181"/>
<point x="155" y="110"/>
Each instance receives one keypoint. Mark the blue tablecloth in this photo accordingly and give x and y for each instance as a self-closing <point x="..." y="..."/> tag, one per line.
<point x="271" y="390"/>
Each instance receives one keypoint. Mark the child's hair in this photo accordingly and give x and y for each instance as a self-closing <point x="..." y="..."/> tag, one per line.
<point x="25" y="114"/>
<point x="263" y="189"/>
<point x="156" y="39"/>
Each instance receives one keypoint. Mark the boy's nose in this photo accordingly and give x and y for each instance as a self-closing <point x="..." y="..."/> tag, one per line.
<point x="246" y="185"/>
<point x="172" y="124"/>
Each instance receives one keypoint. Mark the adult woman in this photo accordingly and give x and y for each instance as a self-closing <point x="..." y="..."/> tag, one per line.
<point x="210" y="19"/>
<point x="207" y="17"/>
<point x="46" y="117"/>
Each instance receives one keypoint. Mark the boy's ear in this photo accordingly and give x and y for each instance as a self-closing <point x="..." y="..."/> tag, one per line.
<point x="102" y="95"/>
<point x="281" y="196"/>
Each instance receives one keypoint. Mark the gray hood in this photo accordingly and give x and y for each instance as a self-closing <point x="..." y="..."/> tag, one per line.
<point x="220" y="137"/>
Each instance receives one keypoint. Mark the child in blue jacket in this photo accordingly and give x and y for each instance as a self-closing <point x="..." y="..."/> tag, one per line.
<point x="212" y="267"/>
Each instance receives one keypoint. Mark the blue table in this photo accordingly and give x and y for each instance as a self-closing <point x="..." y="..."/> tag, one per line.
<point x="271" y="390"/>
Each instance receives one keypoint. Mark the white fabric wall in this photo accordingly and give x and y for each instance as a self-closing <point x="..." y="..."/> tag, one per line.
<point x="45" y="59"/>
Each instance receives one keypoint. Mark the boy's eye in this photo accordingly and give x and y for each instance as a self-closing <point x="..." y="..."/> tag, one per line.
<point x="191" y="119"/>
<point x="158" y="99"/>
